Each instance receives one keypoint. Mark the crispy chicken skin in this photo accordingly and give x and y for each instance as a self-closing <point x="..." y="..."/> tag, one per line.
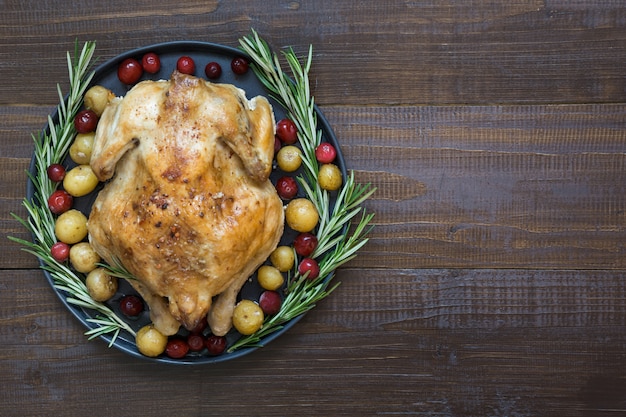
<point x="188" y="207"/>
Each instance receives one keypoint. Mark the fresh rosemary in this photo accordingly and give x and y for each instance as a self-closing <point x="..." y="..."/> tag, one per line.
<point x="336" y="244"/>
<point x="51" y="147"/>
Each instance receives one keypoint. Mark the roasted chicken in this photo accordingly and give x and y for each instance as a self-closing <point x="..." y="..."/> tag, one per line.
<point x="188" y="207"/>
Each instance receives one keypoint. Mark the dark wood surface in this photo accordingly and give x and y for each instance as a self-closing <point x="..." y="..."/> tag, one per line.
<point x="493" y="284"/>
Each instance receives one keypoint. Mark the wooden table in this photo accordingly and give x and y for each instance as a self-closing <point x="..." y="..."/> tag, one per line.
<point x="493" y="283"/>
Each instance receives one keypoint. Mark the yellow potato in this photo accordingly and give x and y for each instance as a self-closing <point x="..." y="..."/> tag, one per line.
<point x="71" y="227"/>
<point x="329" y="177"/>
<point x="150" y="342"/>
<point x="289" y="158"/>
<point x="270" y="278"/>
<point x="301" y="215"/>
<point x="97" y="98"/>
<point x="283" y="258"/>
<point x="248" y="317"/>
<point x="81" y="148"/>
<point x="100" y="285"/>
<point x="83" y="257"/>
<point x="80" y="181"/>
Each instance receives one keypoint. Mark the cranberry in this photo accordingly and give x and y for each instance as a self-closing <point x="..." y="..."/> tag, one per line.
<point x="131" y="305"/>
<point x="287" y="131"/>
<point x="239" y="65"/>
<point x="270" y="302"/>
<point x="129" y="71"/>
<point x="195" y="342"/>
<point x="309" y="265"/>
<point x="325" y="153"/>
<point x="60" y="201"/>
<point x="86" y="121"/>
<point x="60" y="251"/>
<point x="186" y="65"/>
<point x="151" y="63"/>
<point x="176" y="348"/>
<point x="216" y="344"/>
<point x="56" y="172"/>
<point x="287" y="188"/>
<point x="305" y="244"/>
<point x="213" y="70"/>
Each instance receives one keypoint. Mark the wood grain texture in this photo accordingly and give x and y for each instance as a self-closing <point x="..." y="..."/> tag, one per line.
<point x="495" y="186"/>
<point x="432" y="342"/>
<point x="400" y="52"/>
<point x="493" y="283"/>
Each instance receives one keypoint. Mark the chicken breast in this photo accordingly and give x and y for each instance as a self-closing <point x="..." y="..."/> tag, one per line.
<point x="188" y="208"/>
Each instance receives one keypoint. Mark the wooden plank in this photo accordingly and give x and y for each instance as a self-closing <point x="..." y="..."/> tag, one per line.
<point x="428" y="52"/>
<point x="438" y="342"/>
<point x="494" y="186"/>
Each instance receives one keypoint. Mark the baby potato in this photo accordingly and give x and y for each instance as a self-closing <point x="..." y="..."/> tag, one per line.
<point x="81" y="148"/>
<point x="329" y="177"/>
<point x="301" y="215"/>
<point x="283" y="258"/>
<point x="80" y="181"/>
<point x="289" y="158"/>
<point x="100" y="285"/>
<point x="247" y="317"/>
<point x="83" y="257"/>
<point x="97" y="98"/>
<point x="71" y="227"/>
<point x="150" y="342"/>
<point x="270" y="278"/>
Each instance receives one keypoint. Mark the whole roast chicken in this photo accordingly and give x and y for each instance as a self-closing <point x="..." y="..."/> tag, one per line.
<point x="188" y="208"/>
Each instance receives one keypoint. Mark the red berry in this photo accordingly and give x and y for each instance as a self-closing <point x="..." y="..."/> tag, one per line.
<point x="239" y="65"/>
<point x="309" y="265"/>
<point x="60" y="201"/>
<point x="270" y="302"/>
<point x="86" y="121"/>
<point x="325" y="153"/>
<point x="129" y="71"/>
<point x="131" y="305"/>
<point x="305" y="244"/>
<point x="195" y="342"/>
<point x="186" y="65"/>
<point x="151" y="63"/>
<point x="287" y="188"/>
<point x="213" y="70"/>
<point x="216" y="344"/>
<point x="176" y="348"/>
<point x="56" y="172"/>
<point x="287" y="131"/>
<point x="60" y="251"/>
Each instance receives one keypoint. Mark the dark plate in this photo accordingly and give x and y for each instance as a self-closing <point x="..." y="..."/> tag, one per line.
<point x="202" y="53"/>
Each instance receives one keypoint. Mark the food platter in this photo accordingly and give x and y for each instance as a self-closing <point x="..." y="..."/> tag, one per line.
<point x="202" y="53"/>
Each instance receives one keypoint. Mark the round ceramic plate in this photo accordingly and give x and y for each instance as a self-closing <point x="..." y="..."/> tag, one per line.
<point x="202" y="53"/>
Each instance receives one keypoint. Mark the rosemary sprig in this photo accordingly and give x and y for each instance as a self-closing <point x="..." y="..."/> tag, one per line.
<point x="51" y="146"/>
<point x="336" y="245"/>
